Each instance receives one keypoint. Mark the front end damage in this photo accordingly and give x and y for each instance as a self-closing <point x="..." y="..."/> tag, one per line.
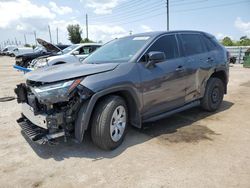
<point x="50" y="110"/>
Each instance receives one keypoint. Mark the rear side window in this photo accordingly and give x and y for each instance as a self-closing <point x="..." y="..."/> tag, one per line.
<point x="192" y="44"/>
<point x="209" y="43"/>
<point x="166" y="44"/>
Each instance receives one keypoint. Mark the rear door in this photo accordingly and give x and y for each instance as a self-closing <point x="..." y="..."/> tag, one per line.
<point x="199" y="61"/>
<point x="163" y="86"/>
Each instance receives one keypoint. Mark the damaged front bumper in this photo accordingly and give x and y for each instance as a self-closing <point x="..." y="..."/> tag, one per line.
<point x="39" y="127"/>
<point x="43" y="121"/>
<point x="36" y="133"/>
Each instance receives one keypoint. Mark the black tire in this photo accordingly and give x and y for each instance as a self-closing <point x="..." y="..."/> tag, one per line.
<point x="213" y="95"/>
<point x="101" y="119"/>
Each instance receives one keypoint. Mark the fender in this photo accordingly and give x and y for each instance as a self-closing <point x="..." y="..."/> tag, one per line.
<point x="85" y="112"/>
<point x="211" y="72"/>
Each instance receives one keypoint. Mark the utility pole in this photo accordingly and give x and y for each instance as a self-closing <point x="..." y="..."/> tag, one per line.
<point x="87" y="29"/>
<point x="167" y="14"/>
<point x="50" y="34"/>
<point x="35" y="37"/>
<point x="25" y="41"/>
<point x="57" y="35"/>
<point x="16" y="41"/>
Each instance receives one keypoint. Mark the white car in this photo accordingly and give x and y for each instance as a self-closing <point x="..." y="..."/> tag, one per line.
<point x="20" y="51"/>
<point x="72" y="54"/>
<point x="8" y="49"/>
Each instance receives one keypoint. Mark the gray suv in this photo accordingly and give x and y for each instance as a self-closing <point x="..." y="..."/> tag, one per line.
<point x="129" y="81"/>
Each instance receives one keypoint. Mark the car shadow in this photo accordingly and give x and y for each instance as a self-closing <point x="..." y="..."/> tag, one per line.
<point x="180" y="127"/>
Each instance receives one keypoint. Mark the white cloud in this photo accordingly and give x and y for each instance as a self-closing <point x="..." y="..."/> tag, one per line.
<point x="242" y="26"/>
<point x="62" y="29"/>
<point x="97" y="33"/>
<point x="146" y="28"/>
<point x="221" y="36"/>
<point x="21" y="10"/>
<point x="102" y="6"/>
<point x="59" y="9"/>
<point x="106" y="32"/>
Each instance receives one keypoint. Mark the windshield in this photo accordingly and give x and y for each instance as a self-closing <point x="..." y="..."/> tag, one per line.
<point x="69" y="49"/>
<point x="118" y="50"/>
<point x="39" y="49"/>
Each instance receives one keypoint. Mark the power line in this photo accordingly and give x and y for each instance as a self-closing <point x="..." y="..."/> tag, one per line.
<point x="124" y="12"/>
<point x="214" y="6"/>
<point x="148" y="6"/>
<point x="137" y="13"/>
<point x="152" y="9"/>
<point x="184" y="10"/>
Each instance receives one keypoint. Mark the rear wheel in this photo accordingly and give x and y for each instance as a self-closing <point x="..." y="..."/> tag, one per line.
<point x="109" y="123"/>
<point x="213" y="95"/>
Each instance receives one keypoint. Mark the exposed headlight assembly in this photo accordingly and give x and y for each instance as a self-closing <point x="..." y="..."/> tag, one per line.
<point x="54" y="93"/>
<point x="41" y="63"/>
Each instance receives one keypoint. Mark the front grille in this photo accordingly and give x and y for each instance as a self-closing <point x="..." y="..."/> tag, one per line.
<point x="31" y="83"/>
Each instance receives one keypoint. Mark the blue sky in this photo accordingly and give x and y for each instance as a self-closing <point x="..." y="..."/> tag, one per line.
<point x="115" y="18"/>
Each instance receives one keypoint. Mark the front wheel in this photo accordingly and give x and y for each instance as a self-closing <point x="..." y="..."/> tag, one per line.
<point x="109" y="123"/>
<point x="213" y="95"/>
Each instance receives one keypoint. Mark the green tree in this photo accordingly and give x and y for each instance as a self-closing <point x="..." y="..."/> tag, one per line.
<point x="86" y="40"/>
<point x="27" y="45"/>
<point x="227" y="41"/>
<point x="74" y="32"/>
<point x="244" y="41"/>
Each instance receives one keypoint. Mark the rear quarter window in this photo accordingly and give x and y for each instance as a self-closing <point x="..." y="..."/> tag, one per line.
<point x="209" y="43"/>
<point x="192" y="44"/>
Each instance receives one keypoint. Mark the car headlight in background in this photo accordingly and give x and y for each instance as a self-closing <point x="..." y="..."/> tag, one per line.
<point x="41" y="63"/>
<point x="57" y="92"/>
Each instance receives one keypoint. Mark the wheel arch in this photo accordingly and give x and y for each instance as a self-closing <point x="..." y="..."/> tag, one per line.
<point x="222" y="75"/>
<point x="86" y="111"/>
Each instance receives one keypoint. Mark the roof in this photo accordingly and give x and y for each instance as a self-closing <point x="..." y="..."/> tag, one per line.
<point x="93" y="44"/>
<point x="157" y="33"/>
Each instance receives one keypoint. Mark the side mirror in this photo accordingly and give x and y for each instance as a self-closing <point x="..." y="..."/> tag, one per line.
<point x="75" y="53"/>
<point x="155" y="57"/>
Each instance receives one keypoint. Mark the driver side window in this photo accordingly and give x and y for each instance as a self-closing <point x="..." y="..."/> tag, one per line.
<point x="85" y="50"/>
<point x="166" y="44"/>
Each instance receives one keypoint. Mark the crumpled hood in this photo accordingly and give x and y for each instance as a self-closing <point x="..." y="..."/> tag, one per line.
<point x="68" y="71"/>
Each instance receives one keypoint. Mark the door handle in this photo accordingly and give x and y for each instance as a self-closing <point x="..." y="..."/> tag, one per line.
<point x="179" y="68"/>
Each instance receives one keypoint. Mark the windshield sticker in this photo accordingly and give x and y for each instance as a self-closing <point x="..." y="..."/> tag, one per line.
<point x="141" y="38"/>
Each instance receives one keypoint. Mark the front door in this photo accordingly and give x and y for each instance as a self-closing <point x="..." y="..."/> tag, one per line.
<point x="163" y="86"/>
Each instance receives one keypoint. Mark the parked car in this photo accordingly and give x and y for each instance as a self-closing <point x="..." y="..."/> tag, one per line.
<point x="20" y="51"/>
<point x="131" y="80"/>
<point x="44" y="49"/>
<point x="8" y="49"/>
<point x="2" y="51"/>
<point x="72" y="54"/>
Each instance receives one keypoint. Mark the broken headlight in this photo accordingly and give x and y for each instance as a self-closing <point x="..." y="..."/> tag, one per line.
<point x="57" y="92"/>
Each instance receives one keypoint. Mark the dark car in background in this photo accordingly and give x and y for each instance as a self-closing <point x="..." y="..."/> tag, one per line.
<point x="45" y="49"/>
<point x="129" y="81"/>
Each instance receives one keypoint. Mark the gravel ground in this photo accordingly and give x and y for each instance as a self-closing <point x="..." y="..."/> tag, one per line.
<point x="190" y="149"/>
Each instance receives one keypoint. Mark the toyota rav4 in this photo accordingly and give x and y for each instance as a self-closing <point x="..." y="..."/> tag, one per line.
<point x="129" y="81"/>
